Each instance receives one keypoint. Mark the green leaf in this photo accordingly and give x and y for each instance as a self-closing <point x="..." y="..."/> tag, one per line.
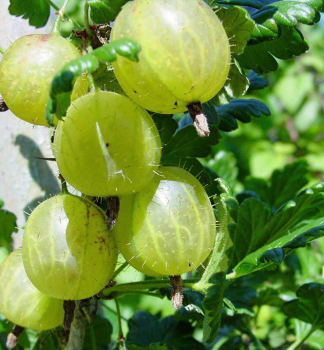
<point x="236" y="85"/>
<point x="242" y="110"/>
<point x="213" y="305"/>
<point x="256" y="228"/>
<point x="242" y="295"/>
<point x="166" y="125"/>
<point x="224" y="164"/>
<point x="261" y="57"/>
<point x="275" y="255"/>
<point x="256" y="81"/>
<point x="287" y="13"/>
<point x="98" y="334"/>
<point x="185" y="146"/>
<point x="284" y="184"/>
<point x="238" y="26"/>
<point x="146" y="329"/>
<point x="186" y="143"/>
<point x="309" y="307"/>
<point x="301" y="329"/>
<point x="218" y="261"/>
<point x="64" y="80"/>
<point x="254" y="262"/>
<point x="36" y="11"/>
<point x="268" y="296"/>
<point x="8" y="225"/>
<point x="252" y="218"/>
<point x="47" y="340"/>
<point x="151" y="347"/>
<point x="105" y="11"/>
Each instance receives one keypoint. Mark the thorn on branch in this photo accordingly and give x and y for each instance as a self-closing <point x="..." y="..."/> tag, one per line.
<point x="69" y="308"/>
<point x="176" y="291"/>
<point x="13" y="337"/>
<point x="199" y="119"/>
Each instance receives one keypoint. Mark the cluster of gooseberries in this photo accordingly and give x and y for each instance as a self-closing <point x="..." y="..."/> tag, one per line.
<point x="108" y="146"/>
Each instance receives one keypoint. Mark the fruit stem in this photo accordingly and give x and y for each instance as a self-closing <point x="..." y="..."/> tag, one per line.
<point x="2" y="50"/>
<point x="150" y="284"/>
<point x="59" y="18"/>
<point x="120" y="269"/>
<point x="86" y="20"/>
<point x="13" y="337"/>
<point x="199" y="119"/>
<point x="140" y="292"/>
<point x="55" y="7"/>
<point x="121" y="337"/>
<point x="176" y="291"/>
<point x="63" y="184"/>
<point x="77" y="331"/>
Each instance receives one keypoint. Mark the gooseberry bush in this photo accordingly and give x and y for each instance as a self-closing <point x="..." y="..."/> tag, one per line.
<point x="166" y="243"/>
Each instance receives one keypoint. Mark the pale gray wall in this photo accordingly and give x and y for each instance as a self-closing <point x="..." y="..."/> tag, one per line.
<point x="24" y="180"/>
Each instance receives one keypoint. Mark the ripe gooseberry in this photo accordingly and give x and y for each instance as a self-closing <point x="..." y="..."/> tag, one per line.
<point x="27" y="69"/>
<point x="185" y="56"/>
<point x="107" y="145"/>
<point x="68" y="252"/>
<point x="168" y="228"/>
<point x="23" y="304"/>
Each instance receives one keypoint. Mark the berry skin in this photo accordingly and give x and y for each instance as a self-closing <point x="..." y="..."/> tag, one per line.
<point x="185" y="55"/>
<point x="169" y="227"/>
<point x="26" y="72"/>
<point x="23" y="304"/>
<point x="107" y="145"/>
<point x="68" y="252"/>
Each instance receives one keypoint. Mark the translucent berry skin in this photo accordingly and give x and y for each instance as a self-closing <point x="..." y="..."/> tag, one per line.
<point x="169" y="227"/>
<point x="23" y="304"/>
<point x="107" y="145"/>
<point x="26" y="72"/>
<point x="185" y="55"/>
<point x="68" y="252"/>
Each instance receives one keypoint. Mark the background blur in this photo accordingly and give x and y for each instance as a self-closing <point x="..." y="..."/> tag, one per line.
<point x="295" y="129"/>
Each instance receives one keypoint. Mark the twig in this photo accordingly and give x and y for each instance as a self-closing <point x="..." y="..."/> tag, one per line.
<point x="55" y="7"/>
<point x="77" y="331"/>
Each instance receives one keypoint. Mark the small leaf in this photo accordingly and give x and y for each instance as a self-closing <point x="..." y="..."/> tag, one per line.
<point x="284" y="184"/>
<point x="252" y="262"/>
<point x="235" y="86"/>
<point x="98" y="333"/>
<point x="276" y="256"/>
<point x="8" y="225"/>
<point x="150" y="347"/>
<point x="105" y="11"/>
<point x="36" y="11"/>
<point x="256" y="81"/>
<point x="166" y="125"/>
<point x="146" y="329"/>
<point x="242" y="110"/>
<point x="238" y="26"/>
<point x="286" y="13"/>
<point x="213" y="305"/>
<point x="242" y="295"/>
<point x="218" y="260"/>
<point x="309" y="307"/>
<point x="224" y="164"/>
<point x="261" y="57"/>
<point x="187" y="144"/>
